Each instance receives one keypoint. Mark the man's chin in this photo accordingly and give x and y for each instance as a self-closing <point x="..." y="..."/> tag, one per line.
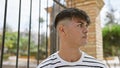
<point x="84" y="43"/>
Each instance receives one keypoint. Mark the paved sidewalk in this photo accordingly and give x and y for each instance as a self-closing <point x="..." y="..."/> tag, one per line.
<point x="11" y="62"/>
<point x="22" y="63"/>
<point x="113" y="63"/>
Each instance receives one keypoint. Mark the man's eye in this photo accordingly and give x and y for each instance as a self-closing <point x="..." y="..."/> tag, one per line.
<point x="80" y="25"/>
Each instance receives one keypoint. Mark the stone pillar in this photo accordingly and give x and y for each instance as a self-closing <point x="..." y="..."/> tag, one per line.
<point x="92" y="7"/>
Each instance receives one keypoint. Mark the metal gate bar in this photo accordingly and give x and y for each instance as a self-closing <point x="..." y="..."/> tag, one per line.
<point x="18" y="39"/>
<point x="29" y="38"/>
<point x="3" y="37"/>
<point x="55" y="41"/>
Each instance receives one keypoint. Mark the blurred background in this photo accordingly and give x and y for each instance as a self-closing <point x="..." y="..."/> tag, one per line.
<point x="27" y="35"/>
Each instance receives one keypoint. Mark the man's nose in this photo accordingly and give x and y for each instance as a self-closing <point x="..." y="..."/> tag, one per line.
<point x="85" y="30"/>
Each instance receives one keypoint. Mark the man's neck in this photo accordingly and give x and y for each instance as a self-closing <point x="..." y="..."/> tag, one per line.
<point x="70" y="54"/>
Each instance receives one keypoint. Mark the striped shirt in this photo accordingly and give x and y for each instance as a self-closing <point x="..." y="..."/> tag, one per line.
<point x="86" y="61"/>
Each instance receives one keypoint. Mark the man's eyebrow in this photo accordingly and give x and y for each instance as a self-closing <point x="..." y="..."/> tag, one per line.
<point x="79" y="22"/>
<point x="82" y="23"/>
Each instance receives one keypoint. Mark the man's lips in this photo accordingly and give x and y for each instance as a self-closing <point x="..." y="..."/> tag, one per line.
<point x="84" y="36"/>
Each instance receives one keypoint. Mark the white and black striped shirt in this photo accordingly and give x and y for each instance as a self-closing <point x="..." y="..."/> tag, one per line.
<point x="86" y="61"/>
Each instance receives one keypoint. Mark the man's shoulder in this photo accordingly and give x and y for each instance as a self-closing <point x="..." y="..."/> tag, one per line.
<point x="93" y="61"/>
<point x="48" y="62"/>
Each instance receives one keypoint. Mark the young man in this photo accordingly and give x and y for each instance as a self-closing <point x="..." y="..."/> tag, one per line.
<point x="72" y="27"/>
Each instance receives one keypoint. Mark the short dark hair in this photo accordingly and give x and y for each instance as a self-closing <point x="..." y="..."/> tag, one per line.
<point x="69" y="13"/>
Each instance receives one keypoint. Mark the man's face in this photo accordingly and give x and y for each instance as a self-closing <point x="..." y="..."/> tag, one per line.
<point x="76" y="32"/>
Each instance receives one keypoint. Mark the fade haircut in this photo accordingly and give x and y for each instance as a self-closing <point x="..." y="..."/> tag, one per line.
<point x="70" y="13"/>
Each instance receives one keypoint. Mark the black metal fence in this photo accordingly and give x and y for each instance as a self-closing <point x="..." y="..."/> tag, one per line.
<point x="15" y="43"/>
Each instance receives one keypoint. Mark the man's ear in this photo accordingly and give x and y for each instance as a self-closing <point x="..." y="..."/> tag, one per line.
<point x="61" y="29"/>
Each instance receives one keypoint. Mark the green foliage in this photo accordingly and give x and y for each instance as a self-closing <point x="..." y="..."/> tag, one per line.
<point x="111" y="39"/>
<point x="5" y="56"/>
<point x="11" y="41"/>
<point x="0" y="41"/>
<point x="42" y="49"/>
<point x="41" y="20"/>
<point x="11" y="45"/>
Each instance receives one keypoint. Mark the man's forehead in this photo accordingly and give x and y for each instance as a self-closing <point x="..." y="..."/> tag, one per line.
<point x="79" y="20"/>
